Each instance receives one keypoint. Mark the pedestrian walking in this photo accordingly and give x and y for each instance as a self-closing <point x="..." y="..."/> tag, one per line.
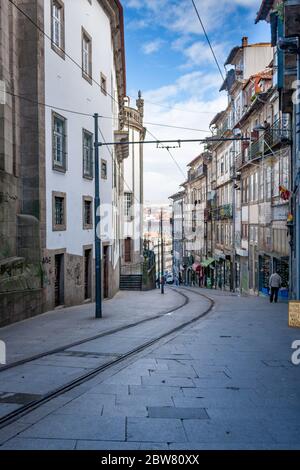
<point x="274" y="284"/>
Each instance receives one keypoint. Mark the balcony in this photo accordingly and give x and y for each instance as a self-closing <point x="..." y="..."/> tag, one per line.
<point x="278" y="133"/>
<point x="197" y="173"/>
<point x="222" y="212"/>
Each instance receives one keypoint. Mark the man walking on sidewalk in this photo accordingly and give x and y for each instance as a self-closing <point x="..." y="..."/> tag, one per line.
<point x="274" y="284"/>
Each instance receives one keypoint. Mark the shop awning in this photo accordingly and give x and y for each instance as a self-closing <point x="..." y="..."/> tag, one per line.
<point x="206" y="262"/>
<point x="196" y="267"/>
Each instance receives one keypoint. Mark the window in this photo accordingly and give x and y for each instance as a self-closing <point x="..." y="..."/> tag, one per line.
<point x="245" y="231"/>
<point x="87" y="143"/>
<point x="87" y="203"/>
<point x="103" y="83"/>
<point x="222" y="166"/>
<point x="58" y="211"/>
<point x="103" y="169"/>
<point x="261" y="184"/>
<point x="194" y="220"/>
<point x="86" y="56"/>
<point x="268" y="182"/>
<point x="222" y="234"/>
<point x="245" y="190"/>
<point x="59" y="155"/>
<point x="57" y="27"/>
<point x="127" y="204"/>
<point x="276" y="179"/>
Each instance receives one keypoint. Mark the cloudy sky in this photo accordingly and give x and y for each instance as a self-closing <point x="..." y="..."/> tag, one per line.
<point x="169" y="60"/>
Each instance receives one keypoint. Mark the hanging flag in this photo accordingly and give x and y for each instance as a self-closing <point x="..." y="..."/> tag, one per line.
<point x="284" y="193"/>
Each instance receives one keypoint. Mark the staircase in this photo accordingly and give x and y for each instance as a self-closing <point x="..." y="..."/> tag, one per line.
<point x="131" y="282"/>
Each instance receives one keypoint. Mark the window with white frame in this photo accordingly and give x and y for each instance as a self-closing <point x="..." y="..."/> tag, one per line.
<point x="57" y="26"/>
<point x="103" y="82"/>
<point x="87" y="144"/>
<point x="86" y="55"/>
<point x="59" y="155"/>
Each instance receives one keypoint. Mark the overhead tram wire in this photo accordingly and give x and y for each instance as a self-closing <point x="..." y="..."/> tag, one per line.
<point x="71" y="111"/>
<point x="208" y="41"/>
<point x="79" y="66"/>
<point x="114" y="160"/>
<point x="45" y="105"/>
<point x="179" y="109"/>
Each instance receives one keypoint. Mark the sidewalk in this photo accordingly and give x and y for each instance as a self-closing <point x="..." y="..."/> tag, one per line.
<point x="64" y="326"/>
<point x="225" y="382"/>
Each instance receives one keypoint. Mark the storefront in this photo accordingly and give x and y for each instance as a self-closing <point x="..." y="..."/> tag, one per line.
<point x="220" y="269"/>
<point x="228" y="273"/>
<point x="208" y="270"/>
<point x="265" y="270"/>
<point x="281" y="266"/>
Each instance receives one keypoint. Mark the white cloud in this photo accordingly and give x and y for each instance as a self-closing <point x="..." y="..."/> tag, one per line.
<point x="161" y="175"/>
<point x="180" y="16"/>
<point x="152" y="46"/>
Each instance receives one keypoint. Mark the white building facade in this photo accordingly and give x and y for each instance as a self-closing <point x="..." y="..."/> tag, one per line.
<point x="93" y="81"/>
<point x="133" y="187"/>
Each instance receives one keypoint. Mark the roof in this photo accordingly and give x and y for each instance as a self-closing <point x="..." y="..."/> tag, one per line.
<point x="236" y="49"/>
<point x="266" y="74"/>
<point x="264" y="10"/>
<point x="177" y="195"/>
<point x="232" y="54"/>
<point x="121" y="13"/>
<point x="229" y="80"/>
<point x="217" y="117"/>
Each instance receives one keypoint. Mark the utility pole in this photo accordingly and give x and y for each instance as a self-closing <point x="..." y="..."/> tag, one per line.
<point x="158" y="263"/>
<point x="98" y="280"/>
<point x="162" y="286"/>
<point x="291" y="43"/>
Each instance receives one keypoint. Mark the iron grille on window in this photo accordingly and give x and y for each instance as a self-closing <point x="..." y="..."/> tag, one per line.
<point x="127" y="204"/>
<point x="88" y="213"/>
<point x="59" y="211"/>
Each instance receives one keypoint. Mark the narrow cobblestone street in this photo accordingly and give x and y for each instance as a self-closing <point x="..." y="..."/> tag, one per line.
<point x="224" y="382"/>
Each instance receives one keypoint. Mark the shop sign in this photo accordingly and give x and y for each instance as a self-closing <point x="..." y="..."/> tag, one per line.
<point x="294" y="314"/>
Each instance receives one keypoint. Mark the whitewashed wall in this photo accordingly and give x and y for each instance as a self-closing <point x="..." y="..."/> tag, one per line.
<point x="66" y="88"/>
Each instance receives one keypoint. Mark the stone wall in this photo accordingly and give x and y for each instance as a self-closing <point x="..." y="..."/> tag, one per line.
<point x="22" y="161"/>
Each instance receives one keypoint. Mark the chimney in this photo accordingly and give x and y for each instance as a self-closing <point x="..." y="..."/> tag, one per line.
<point x="244" y="41"/>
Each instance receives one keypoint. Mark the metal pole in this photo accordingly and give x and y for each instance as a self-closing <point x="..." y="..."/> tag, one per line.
<point x="98" y="280"/>
<point x="162" y="254"/>
<point x="158" y="263"/>
<point x="296" y="183"/>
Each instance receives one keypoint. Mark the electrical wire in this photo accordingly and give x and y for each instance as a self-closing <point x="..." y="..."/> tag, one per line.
<point x="80" y="67"/>
<point x="208" y="41"/>
<point x="65" y="110"/>
<point x="91" y="115"/>
<point x="179" y="109"/>
<point x="114" y="160"/>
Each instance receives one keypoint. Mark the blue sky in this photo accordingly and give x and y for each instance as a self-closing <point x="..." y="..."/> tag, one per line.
<point x="169" y="60"/>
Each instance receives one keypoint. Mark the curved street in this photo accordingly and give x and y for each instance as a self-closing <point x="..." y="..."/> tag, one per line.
<point x="226" y="381"/>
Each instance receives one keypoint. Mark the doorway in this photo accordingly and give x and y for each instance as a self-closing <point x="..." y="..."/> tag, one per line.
<point x="59" y="294"/>
<point x="105" y="271"/>
<point x="127" y="250"/>
<point x="87" y="274"/>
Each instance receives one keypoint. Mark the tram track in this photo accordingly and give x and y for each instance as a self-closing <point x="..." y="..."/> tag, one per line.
<point x="91" y="338"/>
<point x="31" y="406"/>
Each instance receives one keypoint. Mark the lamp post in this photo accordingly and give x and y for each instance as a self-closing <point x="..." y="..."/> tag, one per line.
<point x="162" y="284"/>
<point x="98" y="277"/>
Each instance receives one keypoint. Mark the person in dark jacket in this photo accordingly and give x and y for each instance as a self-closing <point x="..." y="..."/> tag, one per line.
<point x="274" y="284"/>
